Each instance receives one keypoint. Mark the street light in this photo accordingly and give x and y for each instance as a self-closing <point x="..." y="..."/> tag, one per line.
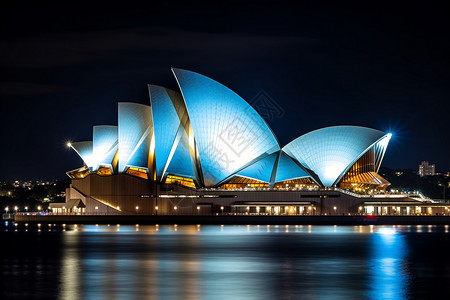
<point x="6" y="209"/>
<point x="221" y="208"/>
<point x="39" y="208"/>
<point x="26" y="208"/>
<point x="16" y="208"/>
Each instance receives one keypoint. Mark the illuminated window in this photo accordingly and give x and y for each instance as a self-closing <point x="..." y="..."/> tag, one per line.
<point x="239" y="182"/>
<point x="172" y="179"/>
<point x="138" y="172"/>
<point x="362" y="176"/>
<point x="104" y="171"/>
<point x="299" y="184"/>
<point x="79" y="173"/>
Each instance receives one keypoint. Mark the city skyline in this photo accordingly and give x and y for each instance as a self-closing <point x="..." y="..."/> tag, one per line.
<point x="302" y="69"/>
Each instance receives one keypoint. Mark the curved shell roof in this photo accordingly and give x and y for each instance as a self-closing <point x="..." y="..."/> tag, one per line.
<point x="84" y="150"/>
<point x="288" y="169"/>
<point x="181" y="163"/>
<point x="104" y="139"/>
<point x="210" y="134"/>
<point x="229" y="133"/>
<point x="260" y="170"/>
<point x="135" y="125"/>
<point x="169" y="118"/>
<point x="331" y="151"/>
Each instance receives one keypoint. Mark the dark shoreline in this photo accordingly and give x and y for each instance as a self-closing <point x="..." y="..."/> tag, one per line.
<point x="235" y="220"/>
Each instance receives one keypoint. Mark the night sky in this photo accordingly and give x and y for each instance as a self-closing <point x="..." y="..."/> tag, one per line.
<point x="65" y="67"/>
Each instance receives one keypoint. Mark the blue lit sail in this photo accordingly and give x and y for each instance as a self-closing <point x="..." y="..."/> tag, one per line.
<point x="169" y="116"/>
<point x="105" y="143"/>
<point x="210" y="134"/>
<point x="84" y="150"/>
<point x="287" y="169"/>
<point x="229" y="133"/>
<point x="260" y="170"/>
<point x="330" y="151"/>
<point x="135" y="133"/>
<point x="181" y="163"/>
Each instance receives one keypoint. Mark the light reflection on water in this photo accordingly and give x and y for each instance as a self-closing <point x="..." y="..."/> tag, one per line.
<point x="222" y="262"/>
<point x="388" y="265"/>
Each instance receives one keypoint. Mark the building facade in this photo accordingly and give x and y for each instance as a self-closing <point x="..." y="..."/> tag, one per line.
<point x="207" y="148"/>
<point x="425" y="169"/>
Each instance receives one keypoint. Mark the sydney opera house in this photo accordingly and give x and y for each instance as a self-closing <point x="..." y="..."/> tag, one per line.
<point x="205" y="150"/>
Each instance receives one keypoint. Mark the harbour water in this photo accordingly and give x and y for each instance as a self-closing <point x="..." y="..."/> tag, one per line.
<point x="224" y="262"/>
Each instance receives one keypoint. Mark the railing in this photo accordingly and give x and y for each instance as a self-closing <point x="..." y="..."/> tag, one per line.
<point x="252" y="189"/>
<point x="86" y="213"/>
<point x="28" y="213"/>
<point x="381" y="195"/>
<point x="402" y="195"/>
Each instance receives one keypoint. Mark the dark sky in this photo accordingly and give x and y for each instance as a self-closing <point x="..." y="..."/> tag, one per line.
<point x="64" y="67"/>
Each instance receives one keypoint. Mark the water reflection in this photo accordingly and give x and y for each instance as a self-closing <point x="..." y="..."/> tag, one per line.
<point x="210" y="262"/>
<point x="70" y="267"/>
<point x="388" y="265"/>
<point x="223" y="262"/>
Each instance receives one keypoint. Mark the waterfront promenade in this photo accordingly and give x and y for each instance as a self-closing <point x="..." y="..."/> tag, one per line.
<point x="234" y="220"/>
